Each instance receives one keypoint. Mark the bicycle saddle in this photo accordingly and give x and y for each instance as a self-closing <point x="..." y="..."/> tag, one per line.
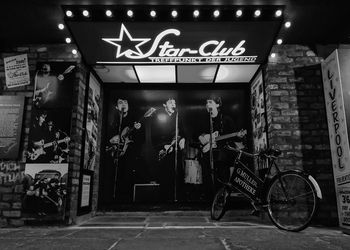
<point x="271" y="151"/>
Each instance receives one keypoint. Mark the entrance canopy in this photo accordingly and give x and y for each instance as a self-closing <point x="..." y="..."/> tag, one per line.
<point x="172" y="49"/>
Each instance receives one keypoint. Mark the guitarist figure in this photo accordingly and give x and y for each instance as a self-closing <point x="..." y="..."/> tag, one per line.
<point x="216" y="165"/>
<point x="123" y="150"/>
<point x="168" y="141"/>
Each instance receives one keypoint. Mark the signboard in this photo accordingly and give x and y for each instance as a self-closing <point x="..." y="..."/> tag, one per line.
<point x="174" y="42"/>
<point x="245" y="181"/>
<point x="11" y="113"/>
<point x="338" y="135"/>
<point x="17" y="71"/>
<point x="85" y="193"/>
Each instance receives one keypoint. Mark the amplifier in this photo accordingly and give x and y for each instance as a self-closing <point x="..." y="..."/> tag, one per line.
<point x="148" y="192"/>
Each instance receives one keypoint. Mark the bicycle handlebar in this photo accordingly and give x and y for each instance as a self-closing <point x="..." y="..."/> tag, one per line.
<point x="266" y="153"/>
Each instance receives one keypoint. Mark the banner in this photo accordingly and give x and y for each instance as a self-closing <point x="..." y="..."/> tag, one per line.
<point x="47" y="155"/>
<point x="11" y="113"/>
<point x="338" y="135"/>
<point x="16" y="71"/>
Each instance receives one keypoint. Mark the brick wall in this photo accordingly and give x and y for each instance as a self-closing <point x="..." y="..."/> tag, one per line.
<point x="11" y="191"/>
<point x="297" y="122"/>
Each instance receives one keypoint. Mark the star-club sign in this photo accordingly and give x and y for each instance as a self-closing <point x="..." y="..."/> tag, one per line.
<point x="118" y="41"/>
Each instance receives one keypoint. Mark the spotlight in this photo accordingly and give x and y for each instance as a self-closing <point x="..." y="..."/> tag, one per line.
<point x="216" y="13"/>
<point x="68" y="40"/>
<point x="69" y="13"/>
<point x="279" y="41"/>
<point x="278" y="13"/>
<point x="109" y="13"/>
<point x="273" y="55"/>
<point x="60" y="26"/>
<point x="174" y="13"/>
<point x="74" y="51"/>
<point x="196" y="13"/>
<point x="287" y="24"/>
<point x="257" y="13"/>
<point x="86" y="13"/>
<point x="130" y="13"/>
<point x="153" y="13"/>
<point x="239" y="13"/>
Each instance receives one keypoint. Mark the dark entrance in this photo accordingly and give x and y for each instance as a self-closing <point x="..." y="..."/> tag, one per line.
<point x="144" y="176"/>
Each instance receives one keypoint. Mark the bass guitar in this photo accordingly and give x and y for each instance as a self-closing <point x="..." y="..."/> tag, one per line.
<point x="168" y="148"/>
<point x="205" y="139"/>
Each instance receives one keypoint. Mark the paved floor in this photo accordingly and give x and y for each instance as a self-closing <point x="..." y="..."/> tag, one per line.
<point x="171" y="231"/>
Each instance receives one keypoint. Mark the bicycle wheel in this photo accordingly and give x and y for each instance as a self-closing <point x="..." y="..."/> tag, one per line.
<point x="218" y="207"/>
<point x="291" y="201"/>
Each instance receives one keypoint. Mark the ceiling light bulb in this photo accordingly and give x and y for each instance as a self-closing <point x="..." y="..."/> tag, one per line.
<point x="279" y="41"/>
<point x="273" y="55"/>
<point x="85" y="13"/>
<point x="216" y="13"/>
<point x="69" y="13"/>
<point x="174" y="13"/>
<point x="239" y="13"/>
<point x="196" y="13"/>
<point x="153" y="13"/>
<point x="74" y="51"/>
<point x="61" y="26"/>
<point x="257" y="13"/>
<point x="108" y="13"/>
<point x="287" y="24"/>
<point x="278" y="13"/>
<point x="68" y="40"/>
<point x="130" y="13"/>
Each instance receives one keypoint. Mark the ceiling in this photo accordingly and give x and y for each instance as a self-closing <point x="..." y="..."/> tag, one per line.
<point x="314" y="22"/>
<point x="35" y="21"/>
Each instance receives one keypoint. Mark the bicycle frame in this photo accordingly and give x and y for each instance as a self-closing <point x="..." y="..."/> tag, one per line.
<point x="262" y="183"/>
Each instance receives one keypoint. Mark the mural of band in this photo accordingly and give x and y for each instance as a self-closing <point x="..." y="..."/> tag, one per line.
<point x="46" y="169"/>
<point x="159" y="140"/>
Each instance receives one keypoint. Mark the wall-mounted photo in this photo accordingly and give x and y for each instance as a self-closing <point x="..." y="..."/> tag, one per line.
<point x="49" y="136"/>
<point x="53" y="84"/>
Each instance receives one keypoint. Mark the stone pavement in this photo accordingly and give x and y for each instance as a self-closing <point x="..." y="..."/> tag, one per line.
<point x="171" y="230"/>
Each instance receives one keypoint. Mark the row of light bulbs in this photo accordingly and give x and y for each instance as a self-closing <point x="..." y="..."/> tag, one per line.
<point x="174" y="13"/>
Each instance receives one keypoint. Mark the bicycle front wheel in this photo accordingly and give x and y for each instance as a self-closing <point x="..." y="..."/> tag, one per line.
<point x="218" y="207"/>
<point x="291" y="201"/>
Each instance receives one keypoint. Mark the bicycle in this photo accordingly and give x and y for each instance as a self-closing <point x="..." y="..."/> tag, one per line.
<point x="290" y="197"/>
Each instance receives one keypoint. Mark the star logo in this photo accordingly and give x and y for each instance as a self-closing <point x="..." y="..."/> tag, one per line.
<point x="128" y="43"/>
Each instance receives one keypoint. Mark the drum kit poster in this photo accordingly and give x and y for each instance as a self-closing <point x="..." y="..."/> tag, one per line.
<point x="47" y="154"/>
<point x="150" y="153"/>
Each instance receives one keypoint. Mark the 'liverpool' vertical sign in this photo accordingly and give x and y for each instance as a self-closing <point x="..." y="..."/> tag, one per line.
<point x="333" y="83"/>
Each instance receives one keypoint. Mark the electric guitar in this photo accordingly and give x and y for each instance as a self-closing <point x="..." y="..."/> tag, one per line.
<point x="205" y="139"/>
<point x="168" y="148"/>
<point x="122" y="144"/>
<point x="40" y="150"/>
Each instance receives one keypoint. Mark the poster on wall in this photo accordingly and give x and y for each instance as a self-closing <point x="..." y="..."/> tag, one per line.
<point x="93" y="113"/>
<point x="11" y="113"/>
<point x="53" y="84"/>
<point x="45" y="188"/>
<point x="47" y="153"/>
<point x="16" y="71"/>
<point x="338" y="135"/>
<point x="141" y="141"/>
<point x="258" y="117"/>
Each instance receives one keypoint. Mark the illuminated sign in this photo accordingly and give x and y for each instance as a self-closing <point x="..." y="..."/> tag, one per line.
<point x="163" y="51"/>
<point x="174" y="42"/>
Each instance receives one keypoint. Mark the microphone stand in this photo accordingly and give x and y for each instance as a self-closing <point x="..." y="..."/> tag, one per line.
<point x="176" y="151"/>
<point x="116" y="160"/>
<point x="211" y="160"/>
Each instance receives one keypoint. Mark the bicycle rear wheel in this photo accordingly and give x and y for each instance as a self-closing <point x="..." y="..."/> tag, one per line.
<point x="218" y="207"/>
<point x="292" y="201"/>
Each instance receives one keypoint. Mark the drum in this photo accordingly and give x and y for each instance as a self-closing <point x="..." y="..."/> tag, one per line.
<point x="193" y="172"/>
